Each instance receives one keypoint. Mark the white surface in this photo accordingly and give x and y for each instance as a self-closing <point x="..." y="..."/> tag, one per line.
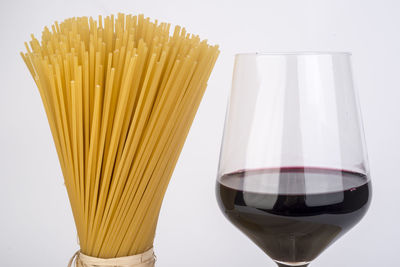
<point x="36" y="226"/>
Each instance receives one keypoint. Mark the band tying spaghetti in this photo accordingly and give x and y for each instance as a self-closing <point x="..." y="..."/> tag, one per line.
<point x="146" y="259"/>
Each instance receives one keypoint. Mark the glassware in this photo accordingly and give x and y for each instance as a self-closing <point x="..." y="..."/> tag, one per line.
<point x="293" y="172"/>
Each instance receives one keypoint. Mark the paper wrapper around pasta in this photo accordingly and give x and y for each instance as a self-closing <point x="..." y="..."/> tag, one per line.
<point x="146" y="259"/>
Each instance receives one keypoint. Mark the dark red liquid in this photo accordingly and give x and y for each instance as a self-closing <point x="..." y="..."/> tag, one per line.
<point x="293" y="214"/>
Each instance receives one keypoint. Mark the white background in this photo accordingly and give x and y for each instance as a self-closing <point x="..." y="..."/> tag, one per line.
<point x="36" y="225"/>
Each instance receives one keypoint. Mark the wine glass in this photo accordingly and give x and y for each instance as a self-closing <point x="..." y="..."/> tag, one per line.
<point x="293" y="173"/>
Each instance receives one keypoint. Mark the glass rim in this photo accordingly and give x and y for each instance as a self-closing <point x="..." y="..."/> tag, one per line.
<point x="296" y="53"/>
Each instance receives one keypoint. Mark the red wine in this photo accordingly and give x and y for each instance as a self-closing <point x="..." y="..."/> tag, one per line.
<point x="293" y="214"/>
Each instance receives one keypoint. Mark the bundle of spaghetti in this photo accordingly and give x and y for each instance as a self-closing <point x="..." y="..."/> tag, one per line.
<point x="120" y="95"/>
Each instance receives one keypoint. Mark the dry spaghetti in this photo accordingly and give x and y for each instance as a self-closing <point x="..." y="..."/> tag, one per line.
<point x="120" y="95"/>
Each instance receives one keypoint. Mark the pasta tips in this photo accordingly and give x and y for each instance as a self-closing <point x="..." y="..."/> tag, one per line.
<point x="120" y="94"/>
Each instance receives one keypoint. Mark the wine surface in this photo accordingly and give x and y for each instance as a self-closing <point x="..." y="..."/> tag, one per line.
<point x="293" y="214"/>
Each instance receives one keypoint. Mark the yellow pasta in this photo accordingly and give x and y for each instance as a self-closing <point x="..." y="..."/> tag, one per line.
<point x="120" y="94"/>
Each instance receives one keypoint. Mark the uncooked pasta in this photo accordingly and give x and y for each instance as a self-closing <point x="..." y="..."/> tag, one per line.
<point x="120" y="94"/>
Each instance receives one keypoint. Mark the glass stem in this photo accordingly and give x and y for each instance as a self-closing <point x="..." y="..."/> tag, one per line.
<point x="284" y="265"/>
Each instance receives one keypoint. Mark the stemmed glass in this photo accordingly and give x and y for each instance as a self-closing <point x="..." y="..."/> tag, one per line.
<point x="293" y="173"/>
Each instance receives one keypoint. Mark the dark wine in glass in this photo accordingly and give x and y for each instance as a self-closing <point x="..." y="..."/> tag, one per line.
<point x="289" y="225"/>
<point x="286" y="180"/>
